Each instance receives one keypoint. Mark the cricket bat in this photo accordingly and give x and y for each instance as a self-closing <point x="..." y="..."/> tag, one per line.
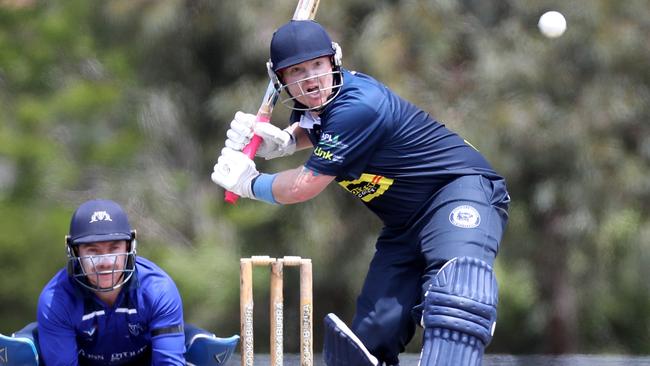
<point x="306" y="9"/>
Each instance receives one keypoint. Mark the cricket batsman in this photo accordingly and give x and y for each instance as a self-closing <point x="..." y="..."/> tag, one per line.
<point x="443" y="207"/>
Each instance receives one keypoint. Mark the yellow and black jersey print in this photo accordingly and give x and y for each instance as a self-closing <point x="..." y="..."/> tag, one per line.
<point x="368" y="186"/>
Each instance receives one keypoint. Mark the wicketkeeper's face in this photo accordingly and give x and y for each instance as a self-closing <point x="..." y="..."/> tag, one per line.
<point x="103" y="263"/>
<point x="310" y="82"/>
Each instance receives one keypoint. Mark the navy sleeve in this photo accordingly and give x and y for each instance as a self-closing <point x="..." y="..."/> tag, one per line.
<point x="350" y="135"/>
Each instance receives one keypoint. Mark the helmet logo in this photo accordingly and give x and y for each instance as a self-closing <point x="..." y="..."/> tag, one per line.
<point x="99" y="216"/>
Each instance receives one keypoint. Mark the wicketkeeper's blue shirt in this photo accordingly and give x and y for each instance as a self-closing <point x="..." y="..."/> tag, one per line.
<point x="144" y="327"/>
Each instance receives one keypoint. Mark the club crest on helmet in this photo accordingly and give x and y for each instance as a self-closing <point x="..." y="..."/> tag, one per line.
<point x="100" y="216"/>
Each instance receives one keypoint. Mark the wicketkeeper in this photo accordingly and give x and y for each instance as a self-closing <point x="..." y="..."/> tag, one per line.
<point x="111" y="307"/>
<point x="443" y="206"/>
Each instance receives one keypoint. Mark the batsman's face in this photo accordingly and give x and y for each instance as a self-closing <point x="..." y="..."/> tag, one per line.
<point x="310" y="82"/>
<point x="103" y="263"/>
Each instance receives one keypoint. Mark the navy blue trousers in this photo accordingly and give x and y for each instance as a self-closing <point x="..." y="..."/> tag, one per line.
<point x="466" y="217"/>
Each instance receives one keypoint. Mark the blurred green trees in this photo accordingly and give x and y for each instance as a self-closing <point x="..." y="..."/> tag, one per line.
<point x="130" y="100"/>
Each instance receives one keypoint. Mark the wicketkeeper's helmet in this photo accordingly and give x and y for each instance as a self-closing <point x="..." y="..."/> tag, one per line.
<point x="100" y="221"/>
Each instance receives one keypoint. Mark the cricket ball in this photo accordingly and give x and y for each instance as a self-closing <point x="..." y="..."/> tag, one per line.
<point x="552" y="24"/>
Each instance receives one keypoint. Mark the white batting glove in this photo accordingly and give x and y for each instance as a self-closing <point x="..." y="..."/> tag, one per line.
<point x="235" y="172"/>
<point x="275" y="142"/>
<point x="241" y="131"/>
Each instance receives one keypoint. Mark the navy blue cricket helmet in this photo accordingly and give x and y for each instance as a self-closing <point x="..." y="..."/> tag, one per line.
<point x="298" y="41"/>
<point x="98" y="221"/>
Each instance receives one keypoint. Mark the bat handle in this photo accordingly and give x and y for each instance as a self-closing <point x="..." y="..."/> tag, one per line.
<point x="250" y="151"/>
<point x="231" y="197"/>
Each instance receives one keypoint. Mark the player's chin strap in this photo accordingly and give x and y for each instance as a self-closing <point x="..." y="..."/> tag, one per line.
<point x="342" y="347"/>
<point x="459" y="313"/>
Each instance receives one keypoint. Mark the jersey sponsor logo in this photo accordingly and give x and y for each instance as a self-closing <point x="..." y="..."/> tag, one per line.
<point x="121" y="356"/>
<point x="100" y="216"/>
<point x="331" y="141"/>
<point x="326" y="155"/>
<point x="368" y="186"/>
<point x="328" y="141"/>
<point x="465" y="216"/>
<point x="91" y="356"/>
<point x="323" y="154"/>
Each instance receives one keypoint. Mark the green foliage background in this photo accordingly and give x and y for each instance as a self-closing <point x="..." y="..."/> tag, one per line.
<point x="130" y="100"/>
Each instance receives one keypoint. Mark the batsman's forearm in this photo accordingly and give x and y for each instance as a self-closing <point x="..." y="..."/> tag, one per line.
<point x="299" y="185"/>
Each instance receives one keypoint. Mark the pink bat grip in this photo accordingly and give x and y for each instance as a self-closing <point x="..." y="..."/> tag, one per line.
<point x="250" y="151"/>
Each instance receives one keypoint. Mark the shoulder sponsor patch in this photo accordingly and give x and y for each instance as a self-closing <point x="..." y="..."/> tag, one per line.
<point x="465" y="216"/>
<point x="326" y="143"/>
<point x="331" y="141"/>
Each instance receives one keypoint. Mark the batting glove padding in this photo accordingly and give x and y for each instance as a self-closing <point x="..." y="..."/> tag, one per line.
<point x="240" y="132"/>
<point x="275" y="142"/>
<point x="235" y="172"/>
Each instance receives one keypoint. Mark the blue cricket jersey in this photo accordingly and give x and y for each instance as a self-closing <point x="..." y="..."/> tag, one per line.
<point x="143" y="327"/>
<point x="386" y="151"/>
